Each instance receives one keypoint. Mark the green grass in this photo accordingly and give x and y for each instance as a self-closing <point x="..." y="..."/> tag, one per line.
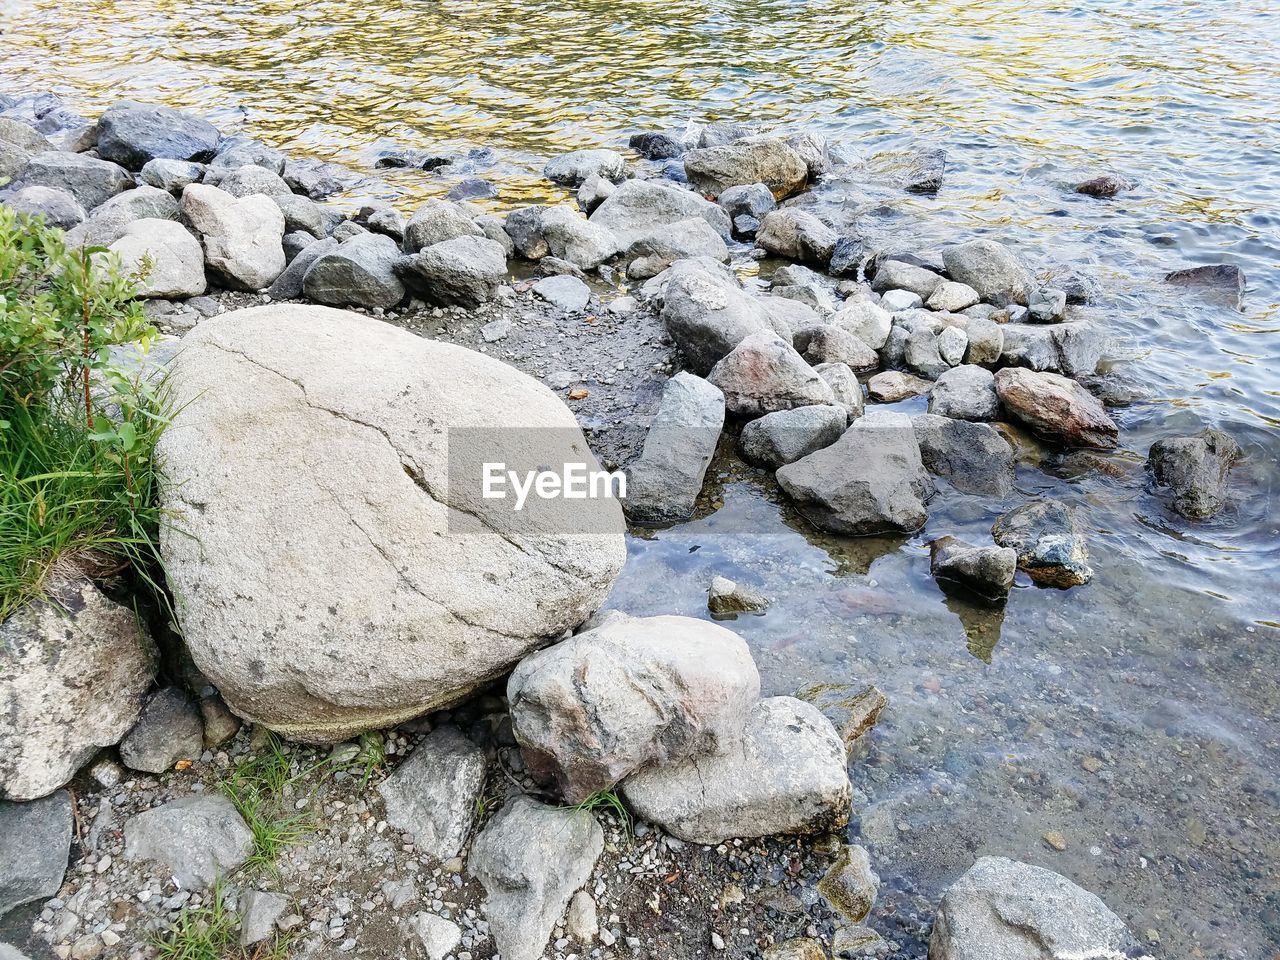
<point x="610" y="802"/>
<point x="372" y="757"/>
<point x="209" y="932"/>
<point x="257" y="788"/>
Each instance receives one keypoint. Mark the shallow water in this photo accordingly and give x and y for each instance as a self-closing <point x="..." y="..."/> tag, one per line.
<point x="1165" y="667"/>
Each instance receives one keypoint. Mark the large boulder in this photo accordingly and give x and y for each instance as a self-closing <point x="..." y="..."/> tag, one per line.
<point x="531" y="859"/>
<point x="242" y="236"/>
<point x="975" y="457"/>
<point x="869" y="322"/>
<point x="1050" y="541"/>
<point x="759" y="160"/>
<point x="1055" y="407"/>
<point x="708" y="314"/>
<point x="360" y="272"/>
<point x="434" y="795"/>
<point x="660" y="248"/>
<point x="784" y="437"/>
<point x="35" y="841"/>
<point x="58" y="207"/>
<point x="786" y="776"/>
<point x="580" y="242"/>
<point x="663" y="483"/>
<point x="797" y="235"/>
<point x="199" y="839"/>
<point x="629" y="694"/>
<point x="464" y="271"/>
<point x="638" y="207"/>
<point x="110" y="220"/>
<point x="1006" y="910"/>
<point x="966" y="392"/>
<point x="991" y="269"/>
<point x="74" y="669"/>
<point x="91" y="181"/>
<point x="399" y="586"/>
<point x="131" y="134"/>
<point x="436" y="221"/>
<point x="1194" y="469"/>
<point x="764" y="373"/>
<point x="575" y="168"/>
<point x="177" y="261"/>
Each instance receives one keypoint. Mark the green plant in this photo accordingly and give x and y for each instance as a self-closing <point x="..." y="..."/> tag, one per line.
<point x="208" y="932"/>
<point x="609" y="801"/>
<point x="372" y="756"/>
<point x="257" y="788"/>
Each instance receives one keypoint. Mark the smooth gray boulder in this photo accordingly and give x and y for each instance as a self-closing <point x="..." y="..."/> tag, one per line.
<point x="1001" y="909"/>
<point x="400" y="587"/>
<point x="575" y="239"/>
<point x="304" y="214"/>
<point x="632" y="693"/>
<point x="986" y="341"/>
<point x="288" y="286"/>
<point x="531" y="859"/>
<point x="660" y="248"/>
<point x="1194" y="469"/>
<point x="1050" y="541"/>
<point x="564" y="292"/>
<point x="575" y="168"/>
<point x="22" y="135"/>
<point x="361" y="272"/>
<point x="239" y="151"/>
<point x="893" y="386"/>
<point x="91" y="181"/>
<point x="869" y="322"/>
<point x="434" y="222"/>
<point x="831" y="344"/>
<point x="170" y="175"/>
<point x="198" y="839"/>
<point x="870" y="481"/>
<point x="58" y="207"/>
<point x="1056" y="408"/>
<point x="1072" y="348"/>
<point x="797" y="235"/>
<point x="897" y="275"/>
<point x="786" y="776"/>
<point x="76" y="669"/>
<point x="750" y="200"/>
<point x="433" y="796"/>
<point x="953" y="342"/>
<point x="35" y="842"/>
<point x="110" y="220"/>
<point x="175" y="256"/>
<point x="758" y="160"/>
<point x="663" y="483"/>
<point x="764" y="373"/>
<point x="464" y="271"/>
<point x="951" y="297"/>
<point x="975" y="457"/>
<point x="169" y="730"/>
<point x="787" y="435"/>
<point x="991" y="269"/>
<point x="708" y="314"/>
<point x="984" y="570"/>
<point x="242" y="236"/>
<point x="248" y="180"/>
<point x="966" y="392"/>
<point x="132" y="133"/>
<point x="638" y="207"/>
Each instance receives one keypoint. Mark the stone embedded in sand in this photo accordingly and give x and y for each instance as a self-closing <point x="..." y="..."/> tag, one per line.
<point x="1057" y="408"/>
<point x="199" y="839"/>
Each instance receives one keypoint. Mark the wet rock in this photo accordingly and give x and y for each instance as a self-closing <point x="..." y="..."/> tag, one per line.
<point x="577" y="240"/>
<point x="242" y="237"/>
<point x="850" y="886"/>
<point x="852" y="709"/>
<point x="966" y="392"/>
<point x="531" y="859"/>
<point x="35" y="842"/>
<point x="871" y="481"/>
<point x="847" y="257"/>
<point x="786" y="776"/>
<point x="757" y="160"/>
<point x="239" y="151"/>
<point x="289" y="285"/>
<point x="1224" y="277"/>
<point x="361" y="272"/>
<point x="78" y="667"/>
<point x="440" y="937"/>
<point x="436" y="221"/>
<point x="91" y="181"/>
<point x="563" y="292"/>
<point x="664" y="482"/>
<point x="1056" y="408"/>
<point x="131" y="134"/>
<point x="896" y="275"/>
<point x="638" y="207"/>
<point x="991" y="269"/>
<point x="1106" y="185"/>
<point x="175" y="256"/>
<point x="797" y="235"/>
<point x="748" y="200"/>
<point x="844" y="387"/>
<point x="472" y="188"/>
<point x="986" y="571"/>
<point x="787" y="435"/>
<point x="247" y="180"/>
<point x="866" y="321"/>
<point x="1072" y="349"/>
<point x="708" y="314"/>
<point x="800" y="949"/>
<point x="198" y="839"/>
<point x="951" y="297"/>
<point x="892" y="386"/>
<point x="921" y="170"/>
<point x="1195" y="470"/>
<point x="433" y="796"/>
<point x="168" y="730"/>
<point x="575" y="168"/>
<point x="464" y="271"/>
<point x="1049" y="540"/>
<point x="973" y="456"/>
<point x="258" y="915"/>
<point x="58" y="207"/>
<point x="726" y="599"/>
<point x="594" y="191"/>
<point x="764" y="373"/>
<point x="315" y="178"/>
<point x="656" y="146"/>
<point x="832" y="344"/>
<point x="1014" y="911"/>
<point x="630" y="694"/>
<point x="1046" y="305"/>
<point x="720" y="132"/>
<point x="812" y="148"/>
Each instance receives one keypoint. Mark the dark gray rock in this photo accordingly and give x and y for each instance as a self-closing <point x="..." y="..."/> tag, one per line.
<point x="524" y="227"/>
<point x="168" y="730"/>
<point x="306" y="215"/>
<point x="975" y="457"/>
<point x="433" y="796"/>
<point x="1073" y="348"/>
<point x="1194" y="469"/>
<point x="1105" y="185"/>
<point x="91" y="181"/>
<point x="435" y="221"/>
<point x="198" y="839"/>
<point x="361" y="272"/>
<point x="747" y="200"/>
<point x="1049" y="540"/>
<point x="112" y="219"/>
<point x="131" y="134"/>
<point x="472" y="188"/>
<point x="35" y="841"/>
<point x="987" y="572"/>
<point x="847" y="256"/>
<point x="1222" y="278"/>
<point x="464" y="271"/>
<point x="656" y="146"/>
<point x="784" y="437"/>
<point x="288" y="286"/>
<point x="59" y="208"/>
<point x="294" y="243"/>
<point x="664" y="482"/>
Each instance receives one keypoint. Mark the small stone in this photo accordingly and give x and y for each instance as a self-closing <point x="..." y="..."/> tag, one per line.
<point x="440" y="937"/>
<point x="726" y="599"/>
<point x="717" y="941"/>
<point x="1055" y="840"/>
<point x="169" y="730"/>
<point x="897" y="300"/>
<point x="564" y="293"/>
<point x="850" y="886"/>
<point x="581" y="920"/>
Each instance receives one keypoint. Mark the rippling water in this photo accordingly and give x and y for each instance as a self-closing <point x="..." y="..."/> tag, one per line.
<point x="1165" y="668"/>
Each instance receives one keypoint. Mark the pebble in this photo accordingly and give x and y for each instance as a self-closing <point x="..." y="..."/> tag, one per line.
<point x="1055" y="840"/>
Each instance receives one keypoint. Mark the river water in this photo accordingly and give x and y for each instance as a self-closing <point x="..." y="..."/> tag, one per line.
<point x="1135" y="716"/>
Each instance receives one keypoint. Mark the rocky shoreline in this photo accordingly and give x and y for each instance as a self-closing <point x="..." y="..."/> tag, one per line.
<point x="460" y="849"/>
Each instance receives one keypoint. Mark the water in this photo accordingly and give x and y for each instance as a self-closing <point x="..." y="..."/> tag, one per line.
<point x="1164" y="669"/>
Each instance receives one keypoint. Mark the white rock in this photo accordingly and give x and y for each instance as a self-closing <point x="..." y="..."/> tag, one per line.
<point x="242" y="236"/>
<point x="177" y="261"/>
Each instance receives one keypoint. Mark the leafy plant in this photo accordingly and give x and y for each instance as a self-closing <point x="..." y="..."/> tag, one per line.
<point x="208" y="932"/>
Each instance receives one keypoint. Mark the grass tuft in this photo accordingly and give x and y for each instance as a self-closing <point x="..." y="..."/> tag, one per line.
<point x="257" y="787"/>
<point x="609" y="801"/>
<point x="209" y="932"/>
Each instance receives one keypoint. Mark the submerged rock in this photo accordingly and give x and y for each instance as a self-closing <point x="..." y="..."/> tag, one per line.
<point x="433" y="796"/>
<point x="986" y="571"/>
<point x="35" y="842"/>
<point x="664" y="482"/>
<point x="726" y="599"/>
<point x="764" y="373"/>
<point x="850" y="885"/>
<point x="198" y="839"/>
<point x="1049" y="540"/>
<point x="784" y="437"/>
<point x="1105" y="185"/>
<point x="1224" y="278"/>
<point x="1055" y="407"/>
<point x="991" y="269"/>
<point x="756" y="160"/>
<point x="1195" y="470"/>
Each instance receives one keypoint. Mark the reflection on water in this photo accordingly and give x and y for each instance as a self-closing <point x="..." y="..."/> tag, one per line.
<point x="1136" y="715"/>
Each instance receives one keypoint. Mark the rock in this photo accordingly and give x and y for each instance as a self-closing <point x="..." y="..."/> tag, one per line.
<point x="638" y="207"/>
<point x="555" y="267"/>
<point x="575" y="239"/>
<point x="220" y="724"/>
<point x="524" y="227"/>
<point x="966" y="392"/>
<point x="1046" y="305"/>
<point x="630" y="694"/>
<point x="170" y="176"/>
<point x="305" y="215"/>
<point x="720" y="132"/>
<point x="464" y="271"/>
<point x="91" y="181"/>
<point x="580" y="921"/>
<point x="896" y="301"/>
<point x="656" y="146"/>
<point x="1056" y="408"/>
<point x="177" y="260"/>
<point x="797" y="282"/>
<point x="594" y="191"/>
<point x="991" y="269"/>
<point x="239" y="151"/>
<point x="973" y="456"/>
<point x="796" y="235"/>
<point x="1195" y="470"/>
<point x="896" y="275"/>
<point x="832" y="344"/>
<point x="922" y="350"/>
<point x="360" y="272"/>
<point x="435" y="222"/>
<point x="169" y="730"/>
<point x="433" y="796"/>
<point x="758" y="160"/>
<point x="1073" y="349"/>
<point x="564" y="293"/>
<point x="985" y="341"/>
<point x="288" y="286"/>
<point x="440" y="937"/>
<point x="986" y="571"/>
<point x="866" y="321"/>
<point x="812" y="149"/>
<point x="663" y="483"/>
<point x="850" y="885"/>
<point x="852" y="709"/>
<point x="953" y="343"/>
<point x="378" y="216"/>
<point x="315" y="178"/>
<point x="368" y="613"/>
<point x="655" y="251"/>
<point x="131" y="134"/>
<point x="870" y="481"/>
<point x="764" y="373"/>
<point x="916" y="169"/>
<point x="707" y="314"/>
<point x="347" y="230"/>
<point x="799" y="949"/>
<point x="1223" y="277"/>
<point x="1105" y="185"/>
<point x="472" y="188"/>
<point x="748" y="200"/>
<point x="1013" y="911"/>
<point x="951" y="297"/>
<point x="531" y="859"/>
<point x="110" y="220"/>
<point x="1049" y="540"/>
<point x="844" y="386"/>
<point x="77" y="669"/>
<point x="58" y="207"/>
<point x="248" y="180"/>
<point x="493" y="228"/>
<point x="22" y="135"/>
<point x="35" y="842"/>
<point x="198" y="839"/>
<point x="892" y="386"/>
<point x="8" y="952"/>
<point x="573" y="169"/>
<point x="726" y="599"/>
<point x="786" y="776"/>
<point x="787" y="435"/>
<point x="241" y="236"/>
<point x="259" y="912"/>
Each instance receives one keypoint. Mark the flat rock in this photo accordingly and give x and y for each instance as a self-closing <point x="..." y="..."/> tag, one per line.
<point x="1223" y="277"/>
<point x="242" y="236"/>
<point x="764" y="373"/>
<point x="991" y="269"/>
<point x="35" y="842"/>
<point x="1049" y="540"/>
<point x="663" y="483"/>
<point x="168" y="730"/>
<point x="637" y="207"/>
<point x="433" y="796"/>
<point x="757" y="160"/>
<point x="985" y="570"/>
<point x="784" y="437"/>
<point x="974" y="457"/>
<point x="198" y="839"/>
<point x="563" y="292"/>
<point x="1056" y="408"/>
<point x="131" y="134"/>
<point x="258" y="915"/>
<point x="1194" y="469"/>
